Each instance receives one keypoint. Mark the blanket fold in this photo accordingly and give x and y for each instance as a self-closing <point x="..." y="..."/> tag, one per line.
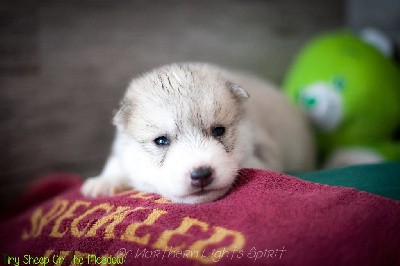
<point x="267" y="218"/>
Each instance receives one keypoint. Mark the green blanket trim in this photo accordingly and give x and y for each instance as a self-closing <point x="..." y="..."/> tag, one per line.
<point x="380" y="179"/>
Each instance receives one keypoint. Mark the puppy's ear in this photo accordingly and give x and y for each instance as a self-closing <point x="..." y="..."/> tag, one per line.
<point x="238" y="91"/>
<point x="123" y="115"/>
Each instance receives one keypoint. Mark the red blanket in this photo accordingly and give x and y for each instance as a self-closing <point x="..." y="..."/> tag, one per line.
<point x="267" y="218"/>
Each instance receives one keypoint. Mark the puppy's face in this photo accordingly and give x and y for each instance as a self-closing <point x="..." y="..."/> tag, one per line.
<point x="183" y="132"/>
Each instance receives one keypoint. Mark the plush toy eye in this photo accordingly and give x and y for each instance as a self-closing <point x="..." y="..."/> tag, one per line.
<point x="339" y="82"/>
<point x="162" y="141"/>
<point x="309" y="102"/>
<point x="218" y="132"/>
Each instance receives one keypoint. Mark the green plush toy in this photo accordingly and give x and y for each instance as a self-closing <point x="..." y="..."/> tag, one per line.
<point x="351" y="92"/>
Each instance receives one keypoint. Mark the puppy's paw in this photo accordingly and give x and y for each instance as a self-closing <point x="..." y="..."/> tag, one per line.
<point x="98" y="186"/>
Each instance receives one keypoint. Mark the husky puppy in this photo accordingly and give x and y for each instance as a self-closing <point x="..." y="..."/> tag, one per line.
<point x="184" y="131"/>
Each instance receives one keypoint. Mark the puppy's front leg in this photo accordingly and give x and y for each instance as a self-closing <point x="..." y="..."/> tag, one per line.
<point x="111" y="181"/>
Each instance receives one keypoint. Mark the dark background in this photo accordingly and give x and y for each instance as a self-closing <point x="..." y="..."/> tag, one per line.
<point x="64" y="65"/>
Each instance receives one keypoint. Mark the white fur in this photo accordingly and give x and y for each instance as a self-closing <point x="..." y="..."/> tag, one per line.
<point x="184" y="102"/>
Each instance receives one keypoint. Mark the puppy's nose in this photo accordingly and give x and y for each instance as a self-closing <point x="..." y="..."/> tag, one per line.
<point x="201" y="177"/>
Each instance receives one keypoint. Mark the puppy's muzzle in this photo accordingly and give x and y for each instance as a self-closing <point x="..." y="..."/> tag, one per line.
<point x="201" y="177"/>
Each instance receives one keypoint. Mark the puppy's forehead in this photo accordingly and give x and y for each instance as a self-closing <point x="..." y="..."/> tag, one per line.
<point x="179" y="81"/>
<point x="184" y="93"/>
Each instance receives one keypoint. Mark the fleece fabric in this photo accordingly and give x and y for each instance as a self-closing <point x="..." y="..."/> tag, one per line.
<point x="267" y="218"/>
<point x="379" y="178"/>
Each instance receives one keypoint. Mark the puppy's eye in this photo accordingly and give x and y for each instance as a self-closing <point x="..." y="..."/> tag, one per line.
<point x="162" y="141"/>
<point x="218" y="132"/>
